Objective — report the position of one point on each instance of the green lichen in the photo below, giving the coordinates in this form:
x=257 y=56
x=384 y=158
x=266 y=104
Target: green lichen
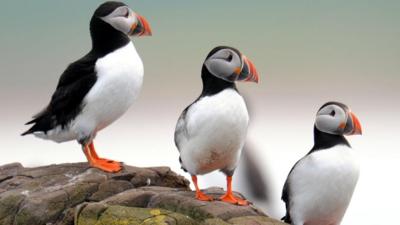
x=120 y=215
x=215 y=221
x=262 y=220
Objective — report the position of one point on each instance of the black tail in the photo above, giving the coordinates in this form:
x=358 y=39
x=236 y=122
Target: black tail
x=32 y=129
x=41 y=122
x=27 y=132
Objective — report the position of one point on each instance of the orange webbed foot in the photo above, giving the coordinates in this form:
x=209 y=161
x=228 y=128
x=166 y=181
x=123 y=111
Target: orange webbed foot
x=110 y=167
x=106 y=161
x=203 y=197
x=199 y=194
x=230 y=198
x=104 y=164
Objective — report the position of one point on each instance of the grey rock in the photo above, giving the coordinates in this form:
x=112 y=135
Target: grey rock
x=75 y=194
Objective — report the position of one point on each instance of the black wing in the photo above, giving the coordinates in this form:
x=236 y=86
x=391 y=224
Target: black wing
x=66 y=102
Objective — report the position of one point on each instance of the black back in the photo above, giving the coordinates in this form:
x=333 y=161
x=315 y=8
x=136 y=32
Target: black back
x=80 y=76
x=322 y=141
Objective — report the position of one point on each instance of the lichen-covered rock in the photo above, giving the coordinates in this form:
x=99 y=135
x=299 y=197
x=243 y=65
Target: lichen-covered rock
x=121 y=215
x=74 y=194
x=49 y=194
x=253 y=220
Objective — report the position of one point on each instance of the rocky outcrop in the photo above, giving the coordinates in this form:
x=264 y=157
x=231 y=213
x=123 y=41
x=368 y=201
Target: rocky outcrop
x=74 y=194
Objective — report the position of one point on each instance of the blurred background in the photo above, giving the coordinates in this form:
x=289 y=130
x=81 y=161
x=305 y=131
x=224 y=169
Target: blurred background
x=307 y=53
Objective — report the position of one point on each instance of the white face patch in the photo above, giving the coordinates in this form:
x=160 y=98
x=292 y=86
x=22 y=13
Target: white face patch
x=122 y=19
x=223 y=63
x=330 y=118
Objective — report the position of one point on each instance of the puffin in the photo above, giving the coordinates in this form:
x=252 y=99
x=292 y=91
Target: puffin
x=210 y=132
x=98 y=88
x=319 y=187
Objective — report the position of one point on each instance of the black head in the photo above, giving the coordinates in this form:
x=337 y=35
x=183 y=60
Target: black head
x=229 y=64
x=106 y=8
x=336 y=118
x=333 y=120
x=222 y=67
x=113 y=22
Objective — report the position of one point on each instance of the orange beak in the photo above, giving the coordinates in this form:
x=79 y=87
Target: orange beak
x=141 y=28
x=249 y=71
x=356 y=123
x=146 y=26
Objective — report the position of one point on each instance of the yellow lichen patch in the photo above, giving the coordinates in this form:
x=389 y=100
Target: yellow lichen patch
x=157 y=220
x=155 y=212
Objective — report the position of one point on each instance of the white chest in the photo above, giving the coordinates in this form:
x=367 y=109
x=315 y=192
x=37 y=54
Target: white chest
x=217 y=128
x=218 y=114
x=119 y=81
x=322 y=184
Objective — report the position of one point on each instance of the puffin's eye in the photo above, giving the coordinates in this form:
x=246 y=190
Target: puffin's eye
x=126 y=14
x=332 y=113
x=230 y=57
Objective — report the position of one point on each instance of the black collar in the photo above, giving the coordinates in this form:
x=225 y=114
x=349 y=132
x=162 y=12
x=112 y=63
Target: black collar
x=324 y=140
x=212 y=84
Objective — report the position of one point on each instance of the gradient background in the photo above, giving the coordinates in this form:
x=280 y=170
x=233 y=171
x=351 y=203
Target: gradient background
x=307 y=53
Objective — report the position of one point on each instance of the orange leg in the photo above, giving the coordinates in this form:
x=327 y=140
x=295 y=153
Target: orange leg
x=95 y=156
x=230 y=197
x=200 y=195
x=96 y=162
